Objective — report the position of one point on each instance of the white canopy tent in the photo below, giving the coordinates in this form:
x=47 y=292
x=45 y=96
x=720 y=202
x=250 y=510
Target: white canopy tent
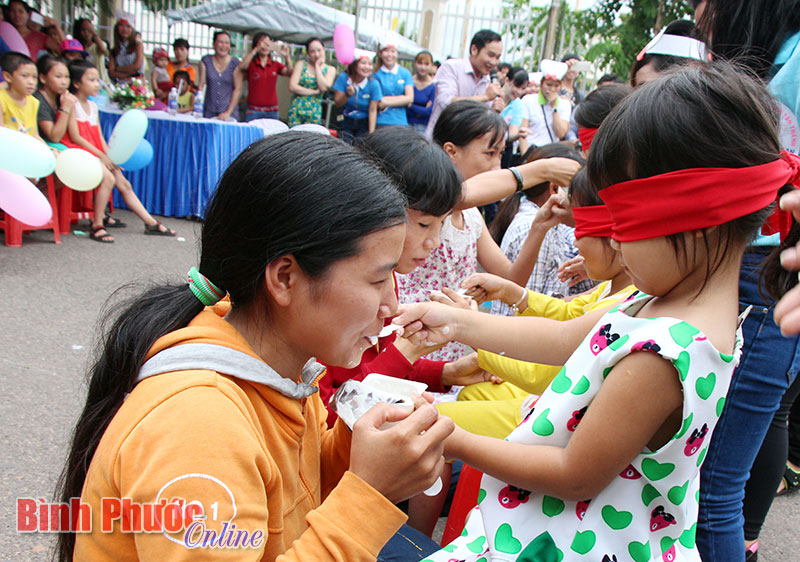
x=293 y=21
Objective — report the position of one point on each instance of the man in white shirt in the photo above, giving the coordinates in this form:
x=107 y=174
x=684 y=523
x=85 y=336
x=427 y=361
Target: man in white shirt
x=548 y=113
x=459 y=79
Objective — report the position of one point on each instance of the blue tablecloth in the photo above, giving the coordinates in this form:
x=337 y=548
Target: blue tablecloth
x=190 y=156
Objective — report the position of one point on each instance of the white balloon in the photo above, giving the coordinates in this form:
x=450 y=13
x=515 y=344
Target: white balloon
x=22 y=154
x=126 y=136
x=79 y=170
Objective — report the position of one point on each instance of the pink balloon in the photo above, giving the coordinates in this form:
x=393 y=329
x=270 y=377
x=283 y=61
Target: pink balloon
x=23 y=200
x=12 y=38
x=344 y=43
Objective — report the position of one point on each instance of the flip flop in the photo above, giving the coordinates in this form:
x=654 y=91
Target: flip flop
x=112 y=222
x=155 y=230
x=103 y=238
x=791 y=481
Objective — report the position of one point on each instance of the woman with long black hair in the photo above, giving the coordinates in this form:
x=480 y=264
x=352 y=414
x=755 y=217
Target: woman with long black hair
x=210 y=403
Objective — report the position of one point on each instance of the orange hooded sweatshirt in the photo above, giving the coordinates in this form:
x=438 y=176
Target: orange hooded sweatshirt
x=256 y=455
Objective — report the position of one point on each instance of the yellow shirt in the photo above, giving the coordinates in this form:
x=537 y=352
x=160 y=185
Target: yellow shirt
x=21 y=118
x=533 y=377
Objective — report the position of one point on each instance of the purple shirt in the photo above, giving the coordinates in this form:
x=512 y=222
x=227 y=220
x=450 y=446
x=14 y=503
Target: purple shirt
x=455 y=78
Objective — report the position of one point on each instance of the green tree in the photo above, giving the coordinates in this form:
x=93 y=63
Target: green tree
x=624 y=27
x=612 y=32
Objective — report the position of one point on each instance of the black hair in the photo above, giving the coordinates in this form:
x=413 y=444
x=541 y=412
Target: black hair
x=422 y=170
x=509 y=208
x=598 y=103
x=750 y=32
x=504 y=65
x=702 y=116
x=180 y=42
x=132 y=42
x=683 y=28
x=269 y=203
x=77 y=68
x=218 y=33
x=581 y=191
x=258 y=35
x=48 y=61
x=482 y=37
x=583 y=194
x=76 y=29
x=609 y=78
x=183 y=74
x=24 y=5
x=351 y=68
x=12 y=60
x=308 y=43
x=463 y=121
x=569 y=56
x=519 y=78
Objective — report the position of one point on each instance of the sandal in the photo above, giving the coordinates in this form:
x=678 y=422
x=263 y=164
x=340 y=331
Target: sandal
x=112 y=222
x=790 y=481
x=104 y=238
x=751 y=553
x=156 y=230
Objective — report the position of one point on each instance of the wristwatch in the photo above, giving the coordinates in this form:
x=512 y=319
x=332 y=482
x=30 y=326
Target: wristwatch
x=555 y=110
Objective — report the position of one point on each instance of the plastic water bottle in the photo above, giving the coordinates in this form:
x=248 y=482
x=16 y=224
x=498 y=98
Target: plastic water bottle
x=172 y=102
x=197 y=112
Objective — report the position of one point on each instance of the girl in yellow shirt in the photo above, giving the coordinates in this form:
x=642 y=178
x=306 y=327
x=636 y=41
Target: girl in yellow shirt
x=494 y=410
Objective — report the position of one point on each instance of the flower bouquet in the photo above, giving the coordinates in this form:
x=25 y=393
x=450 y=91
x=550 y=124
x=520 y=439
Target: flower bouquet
x=136 y=94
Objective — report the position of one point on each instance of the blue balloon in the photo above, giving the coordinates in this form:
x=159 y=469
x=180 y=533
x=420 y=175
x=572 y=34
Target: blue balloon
x=141 y=157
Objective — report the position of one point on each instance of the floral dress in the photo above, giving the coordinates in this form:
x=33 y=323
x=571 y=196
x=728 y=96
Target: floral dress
x=307 y=109
x=454 y=260
x=646 y=514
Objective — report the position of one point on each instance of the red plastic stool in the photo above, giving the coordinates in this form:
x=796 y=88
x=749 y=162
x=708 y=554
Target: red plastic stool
x=464 y=499
x=13 y=228
x=74 y=205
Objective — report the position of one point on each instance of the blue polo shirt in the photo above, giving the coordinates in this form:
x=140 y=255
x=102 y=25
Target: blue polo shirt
x=514 y=113
x=393 y=84
x=357 y=106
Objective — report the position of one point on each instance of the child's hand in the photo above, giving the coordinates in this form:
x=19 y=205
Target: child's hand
x=454 y=444
x=350 y=90
x=107 y=162
x=405 y=459
x=573 y=271
x=413 y=350
x=427 y=322
x=560 y=170
x=466 y=371
x=68 y=101
x=787 y=311
x=451 y=298
x=551 y=213
x=487 y=287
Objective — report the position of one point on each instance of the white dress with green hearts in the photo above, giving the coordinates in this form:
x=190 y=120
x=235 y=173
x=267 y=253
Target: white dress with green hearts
x=649 y=511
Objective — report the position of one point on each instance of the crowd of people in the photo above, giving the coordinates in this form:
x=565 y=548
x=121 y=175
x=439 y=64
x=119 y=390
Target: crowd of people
x=628 y=394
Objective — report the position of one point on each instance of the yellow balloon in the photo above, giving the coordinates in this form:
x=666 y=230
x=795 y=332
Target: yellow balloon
x=79 y=170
